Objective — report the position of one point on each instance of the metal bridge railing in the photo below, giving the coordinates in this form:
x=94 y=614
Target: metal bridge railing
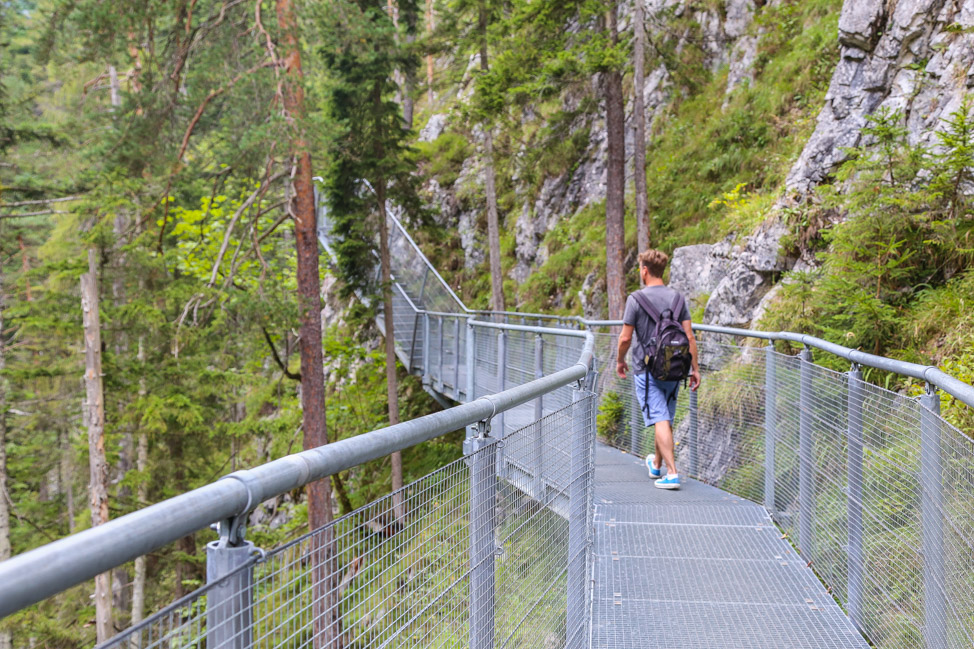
x=477 y=560
x=489 y=551
x=873 y=487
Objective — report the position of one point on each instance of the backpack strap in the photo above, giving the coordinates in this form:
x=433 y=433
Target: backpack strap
x=677 y=307
x=647 y=306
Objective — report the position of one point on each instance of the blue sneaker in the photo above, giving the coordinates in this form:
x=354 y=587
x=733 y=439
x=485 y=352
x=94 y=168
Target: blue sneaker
x=654 y=474
x=668 y=482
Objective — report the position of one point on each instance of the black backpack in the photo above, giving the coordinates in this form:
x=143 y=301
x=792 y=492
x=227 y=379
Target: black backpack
x=666 y=354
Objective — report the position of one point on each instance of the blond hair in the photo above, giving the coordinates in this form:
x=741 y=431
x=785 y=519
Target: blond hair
x=654 y=261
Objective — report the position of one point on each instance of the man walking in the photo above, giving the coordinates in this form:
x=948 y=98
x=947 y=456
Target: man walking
x=657 y=398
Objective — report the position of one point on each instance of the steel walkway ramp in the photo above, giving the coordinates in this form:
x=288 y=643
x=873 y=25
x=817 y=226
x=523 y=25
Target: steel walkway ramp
x=699 y=568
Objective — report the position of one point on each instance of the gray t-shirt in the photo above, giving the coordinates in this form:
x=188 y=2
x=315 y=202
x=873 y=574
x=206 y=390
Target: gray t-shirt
x=660 y=297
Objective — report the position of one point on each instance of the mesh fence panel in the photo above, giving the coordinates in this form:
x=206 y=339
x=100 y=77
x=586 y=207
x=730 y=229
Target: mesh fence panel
x=378 y=578
x=857 y=485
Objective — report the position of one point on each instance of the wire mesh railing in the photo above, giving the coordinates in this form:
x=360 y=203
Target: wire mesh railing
x=489 y=550
x=873 y=487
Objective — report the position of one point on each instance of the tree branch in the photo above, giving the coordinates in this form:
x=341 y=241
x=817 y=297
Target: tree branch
x=26 y=214
x=277 y=358
x=42 y=201
x=233 y=222
x=189 y=133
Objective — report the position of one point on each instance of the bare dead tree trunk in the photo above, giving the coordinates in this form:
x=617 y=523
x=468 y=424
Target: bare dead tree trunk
x=392 y=379
x=120 y=575
x=327 y=620
x=385 y=263
x=493 y=222
x=409 y=78
x=67 y=476
x=615 y=181
x=114 y=87
x=430 y=26
x=25 y=267
x=6 y=637
x=95 y=418
x=142 y=494
x=639 y=124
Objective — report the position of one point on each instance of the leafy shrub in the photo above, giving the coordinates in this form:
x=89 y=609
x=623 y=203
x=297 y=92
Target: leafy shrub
x=610 y=423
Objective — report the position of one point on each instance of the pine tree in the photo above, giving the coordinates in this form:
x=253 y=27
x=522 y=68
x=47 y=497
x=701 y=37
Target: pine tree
x=639 y=124
x=369 y=169
x=615 y=205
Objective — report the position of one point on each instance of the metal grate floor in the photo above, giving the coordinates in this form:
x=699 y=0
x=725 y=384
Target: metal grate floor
x=699 y=568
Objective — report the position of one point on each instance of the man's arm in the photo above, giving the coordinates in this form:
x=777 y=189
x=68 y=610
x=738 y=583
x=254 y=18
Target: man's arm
x=625 y=340
x=695 y=374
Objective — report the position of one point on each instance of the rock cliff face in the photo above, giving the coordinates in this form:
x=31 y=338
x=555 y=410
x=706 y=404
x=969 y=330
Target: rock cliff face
x=914 y=56
x=724 y=43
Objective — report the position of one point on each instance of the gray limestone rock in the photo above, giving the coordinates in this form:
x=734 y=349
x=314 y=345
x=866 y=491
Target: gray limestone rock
x=593 y=296
x=895 y=55
x=737 y=17
x=696 y=270
x=434 y=128
x=733 y=302
x=859 y=23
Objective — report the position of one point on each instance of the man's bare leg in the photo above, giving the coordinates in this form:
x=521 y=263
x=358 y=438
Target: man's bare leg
x=664 y=444
x=658 y=458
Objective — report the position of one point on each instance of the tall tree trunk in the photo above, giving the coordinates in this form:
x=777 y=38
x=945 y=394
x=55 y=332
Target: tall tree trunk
x=430 y=26
x=25 y=267
x=385 y=263
x=6 y=637
x=615 y=181
x=409 y=77
x=327 y=621
x=141 y=463
x=493 y=225
x=639 y=125
x=67 y=475
x=95 y=418
x=120 y=575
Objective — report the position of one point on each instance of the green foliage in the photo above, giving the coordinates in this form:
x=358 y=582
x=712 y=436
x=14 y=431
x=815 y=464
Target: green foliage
x=443 y=157
x=368 y=161
x=610 y=423
x=902 y=237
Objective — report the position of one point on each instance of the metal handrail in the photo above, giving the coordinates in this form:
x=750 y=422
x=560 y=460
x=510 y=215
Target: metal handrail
x=953 y=386
x=35 y=575
x=932 y=375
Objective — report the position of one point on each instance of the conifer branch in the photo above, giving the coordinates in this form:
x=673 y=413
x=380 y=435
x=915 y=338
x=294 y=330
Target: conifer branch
x=277 y=359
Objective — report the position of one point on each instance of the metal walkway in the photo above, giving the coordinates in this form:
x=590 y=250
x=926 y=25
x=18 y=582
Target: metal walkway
x=540 y=537
x=699 y=568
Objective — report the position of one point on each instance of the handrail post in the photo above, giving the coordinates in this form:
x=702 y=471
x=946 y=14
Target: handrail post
x=579 y=528
x=230 y=602
x=502 y=468
x=770 y=425
x=539 y=485
x=426 y=348
x=483 y=495
x=806 y=481
x=692 y=434
x=501 y=375
x=931 y=521
x=470 y=362
x=439 y=355
x=456 y=358
x=854 y=583
x=412 y=345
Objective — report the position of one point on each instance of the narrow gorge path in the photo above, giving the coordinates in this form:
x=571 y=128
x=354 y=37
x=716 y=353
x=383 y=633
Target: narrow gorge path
x=699 y=568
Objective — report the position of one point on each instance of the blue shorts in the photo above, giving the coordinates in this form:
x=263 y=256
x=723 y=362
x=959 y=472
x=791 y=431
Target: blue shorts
x=661 y=398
